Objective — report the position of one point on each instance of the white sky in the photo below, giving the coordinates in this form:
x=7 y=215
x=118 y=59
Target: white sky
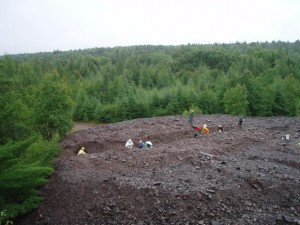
x=28 y=26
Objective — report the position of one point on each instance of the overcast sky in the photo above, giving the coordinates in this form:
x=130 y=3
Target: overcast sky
x=28 y=26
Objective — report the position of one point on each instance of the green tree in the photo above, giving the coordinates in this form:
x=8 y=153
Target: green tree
x=24 y=168
x=85 y=106
x=145 y=78
x=235 y=100
x=291 y=89
x=132 y=108
x=12 y=112
x=52 y=113
x=260 y=98
x=110 y=113
x=163 y=78
x=221 y=85
x=208 y=101
x=280 y=101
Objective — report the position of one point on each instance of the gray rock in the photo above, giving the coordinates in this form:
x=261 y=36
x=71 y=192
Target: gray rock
x=214 y=222
x=288 y=219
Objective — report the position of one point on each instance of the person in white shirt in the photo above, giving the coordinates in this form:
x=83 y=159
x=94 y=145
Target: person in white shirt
x=129 y=144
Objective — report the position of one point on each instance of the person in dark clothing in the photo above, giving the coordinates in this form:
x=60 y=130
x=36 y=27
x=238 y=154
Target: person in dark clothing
x=141 y=144
x=241 y=121
x=191 y=117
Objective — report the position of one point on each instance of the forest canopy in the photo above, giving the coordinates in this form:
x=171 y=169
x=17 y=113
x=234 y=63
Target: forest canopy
x=121 y=83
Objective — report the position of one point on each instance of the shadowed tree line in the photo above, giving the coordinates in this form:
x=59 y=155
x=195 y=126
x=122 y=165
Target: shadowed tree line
x=42 y=93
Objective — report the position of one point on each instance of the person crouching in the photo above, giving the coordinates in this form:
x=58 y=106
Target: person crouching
x=129 y=144
x=141 y=144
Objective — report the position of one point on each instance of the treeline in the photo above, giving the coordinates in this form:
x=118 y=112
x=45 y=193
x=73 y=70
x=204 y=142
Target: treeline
x=114 y=84
x=42 y=93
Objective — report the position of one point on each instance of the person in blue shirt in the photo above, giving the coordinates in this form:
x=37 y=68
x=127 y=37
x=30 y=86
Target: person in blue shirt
x=141 y=144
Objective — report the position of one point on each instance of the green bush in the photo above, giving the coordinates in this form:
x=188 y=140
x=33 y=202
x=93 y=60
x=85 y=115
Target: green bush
x=3 y=218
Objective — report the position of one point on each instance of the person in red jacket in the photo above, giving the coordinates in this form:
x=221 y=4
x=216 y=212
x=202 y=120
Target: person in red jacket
x=197 y=131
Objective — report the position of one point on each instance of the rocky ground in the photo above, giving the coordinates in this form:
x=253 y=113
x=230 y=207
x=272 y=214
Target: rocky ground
x=246 y=176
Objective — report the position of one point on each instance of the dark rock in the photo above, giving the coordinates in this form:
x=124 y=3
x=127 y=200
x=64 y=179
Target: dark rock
x=157 y=183
x=219 y=170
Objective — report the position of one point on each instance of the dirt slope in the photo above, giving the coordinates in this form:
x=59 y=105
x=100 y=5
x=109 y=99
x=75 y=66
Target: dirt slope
x=248 y=176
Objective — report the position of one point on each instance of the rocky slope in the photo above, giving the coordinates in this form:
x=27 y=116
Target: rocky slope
x=246 y=176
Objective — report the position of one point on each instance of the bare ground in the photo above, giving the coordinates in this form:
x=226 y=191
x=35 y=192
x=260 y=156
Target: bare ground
x=248 y=176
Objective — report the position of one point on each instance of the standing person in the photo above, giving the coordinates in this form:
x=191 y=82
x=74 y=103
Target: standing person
x=241 y=121
x=220 y=130
x=191 y=117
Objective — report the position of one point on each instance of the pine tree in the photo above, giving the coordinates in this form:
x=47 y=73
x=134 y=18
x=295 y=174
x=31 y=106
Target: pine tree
x=24 y=167
x=12 y=108
x=235 y=100
x=52 y=113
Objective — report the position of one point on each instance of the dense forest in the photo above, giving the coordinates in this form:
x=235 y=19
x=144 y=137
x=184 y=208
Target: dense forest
x=43 y=93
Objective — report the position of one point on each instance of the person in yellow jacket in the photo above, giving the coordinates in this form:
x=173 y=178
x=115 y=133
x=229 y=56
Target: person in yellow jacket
x=81 y=151
x=205 y=129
